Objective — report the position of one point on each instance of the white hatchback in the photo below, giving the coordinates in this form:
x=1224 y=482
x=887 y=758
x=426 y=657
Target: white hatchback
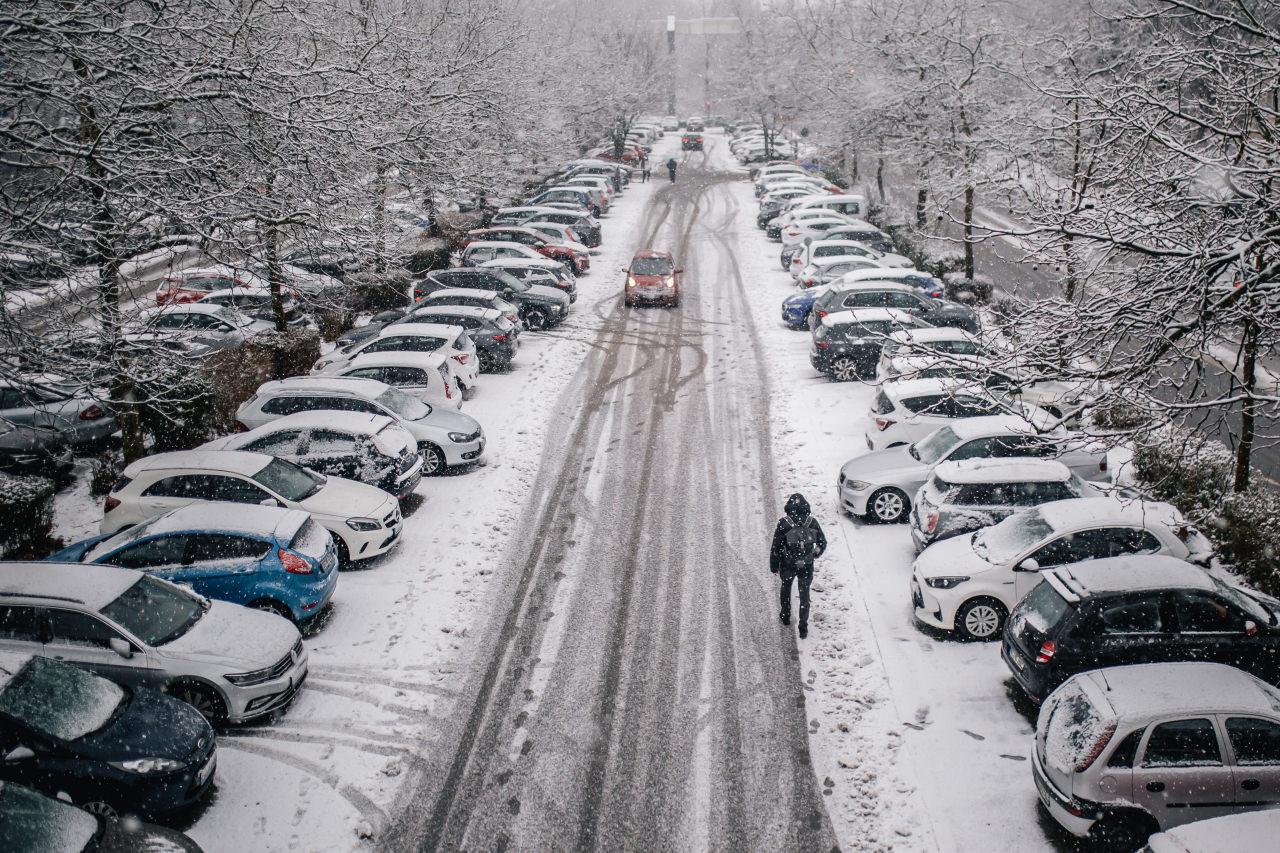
x=452 y=341
x=906 y=411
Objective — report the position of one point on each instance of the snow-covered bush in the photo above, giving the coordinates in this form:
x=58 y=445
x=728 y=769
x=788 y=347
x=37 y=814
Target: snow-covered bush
x=177 y=406
x=1247 y=529
x=104 y=471
x=1189 y=470
x=26 y=505
x=1119 y=414
x=958 y=287
x=235 y=374
x=374 y=291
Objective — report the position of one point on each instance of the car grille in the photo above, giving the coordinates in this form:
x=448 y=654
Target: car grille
x=406 y=461
x=391 y=519
x=297 y=649
x=285 y=663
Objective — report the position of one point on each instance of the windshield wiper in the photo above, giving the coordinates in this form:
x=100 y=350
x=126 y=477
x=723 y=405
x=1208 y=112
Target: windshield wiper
x=914 y=455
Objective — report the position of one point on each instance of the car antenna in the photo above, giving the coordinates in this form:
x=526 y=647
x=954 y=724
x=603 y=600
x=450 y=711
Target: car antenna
x=1103 y=673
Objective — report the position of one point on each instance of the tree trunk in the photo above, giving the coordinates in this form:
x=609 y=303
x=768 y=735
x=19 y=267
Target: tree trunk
x=968 y=231
x=1248 y=412
x=1069 y=249
x=380 y=219
x=880 y=178
x=922 y=201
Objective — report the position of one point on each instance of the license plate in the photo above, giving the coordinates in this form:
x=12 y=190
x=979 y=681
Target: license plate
x=1017 y=660
x=207 y=770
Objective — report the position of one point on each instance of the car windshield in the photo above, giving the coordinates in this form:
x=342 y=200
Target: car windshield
x=934 y=446
x=61 y=700
x=508 y=279
x=56 y=825
x=156 y=611
x=1251 y=606
x=1009 y=538
x=651 y=266
x=291 y=482
x=409 y=408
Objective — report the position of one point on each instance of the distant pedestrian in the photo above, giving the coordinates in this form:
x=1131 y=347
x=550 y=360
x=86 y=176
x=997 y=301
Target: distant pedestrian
x=798 y=540
x=644 y=168
x=671 y=168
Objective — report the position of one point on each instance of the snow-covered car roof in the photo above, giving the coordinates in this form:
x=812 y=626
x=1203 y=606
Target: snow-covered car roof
x=836 y=241
x=886 y=273
x=449 y=292
x=505 y=244
x=424 y=360
x=221 y=271
x=1183 y=687
x=1254 y=830
x=541 y=263
x=565 y=187
x=929 y=334
x=526 y=208
x=235 y=461
x=369 y=388
x=866 y=315
x=92 y=586
x=214 y=516
x=364 y=423
x=933 y=385
x=1028 y=470
x=198 y=307
x=986 y=425
x=1082 y=512
x=401 y=329
x=457 y=311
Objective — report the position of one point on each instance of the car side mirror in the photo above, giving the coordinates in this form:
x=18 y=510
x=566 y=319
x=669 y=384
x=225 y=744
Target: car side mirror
x=20 y=753
x=121 y=647
x=270 y=502
x=1028 y=565
x=678 y=270
x=1250 y=628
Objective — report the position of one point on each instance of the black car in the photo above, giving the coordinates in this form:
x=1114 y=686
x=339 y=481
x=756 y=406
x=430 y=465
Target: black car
x=112 y=749
x=539 y=306
x=534 y=273
x=497 y=339
x=846 y=345
x=903 y=297
x=586 y=227
x=31 y=822
x=691 y=142
x=768 y=211
x=1136 y=609
x=257 y=305
x=335 y=261
x=376 y=324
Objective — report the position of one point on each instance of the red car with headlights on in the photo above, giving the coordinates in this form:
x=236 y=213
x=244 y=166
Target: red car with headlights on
x=577 y=261
x=652 y=278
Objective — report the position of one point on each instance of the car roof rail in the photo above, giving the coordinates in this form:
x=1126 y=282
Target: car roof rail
x=42 y=596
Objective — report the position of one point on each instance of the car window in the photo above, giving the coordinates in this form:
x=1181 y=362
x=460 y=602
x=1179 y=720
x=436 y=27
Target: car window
x=1127 y=750
x=864 y=299
x=1012 y=446
x=290 y=405
x=73 y=628
x=902 y=300
x=1183 y=743
x=160 y=551
x=19 y=623
x=277 y=444
x=406 y=343
x=979 y=448
x=1132 y=617
x=327 y=441
x=182 y=486
x=236 y=490
x=1199 y=613
x=971 y=407
x=932 y=404
x=1254 y=741
x=211 y=547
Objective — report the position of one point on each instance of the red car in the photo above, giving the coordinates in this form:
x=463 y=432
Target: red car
x=191 y=285
x=652 y=277
x=577 y=261
x=691 y=142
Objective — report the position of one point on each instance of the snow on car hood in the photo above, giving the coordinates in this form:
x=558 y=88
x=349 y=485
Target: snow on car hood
x=951 y=557
x=236 y=637
x=890 y=464
x=340 y=498
x=451 y=420
x=550 y=294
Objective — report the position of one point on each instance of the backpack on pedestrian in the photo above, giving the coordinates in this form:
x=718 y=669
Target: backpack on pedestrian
x=801 y=544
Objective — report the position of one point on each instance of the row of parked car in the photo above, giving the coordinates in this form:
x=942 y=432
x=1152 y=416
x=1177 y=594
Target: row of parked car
x=1156 y=677
x=121 y=654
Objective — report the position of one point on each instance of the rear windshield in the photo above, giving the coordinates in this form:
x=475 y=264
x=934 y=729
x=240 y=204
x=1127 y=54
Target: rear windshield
x=1043 y=608
x=311 y=539
x=651 y=266
x=883 y=405
x=1074 y=729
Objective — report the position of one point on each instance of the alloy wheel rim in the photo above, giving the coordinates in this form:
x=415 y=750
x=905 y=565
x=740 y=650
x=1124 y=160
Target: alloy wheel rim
x=982 y=620
x=431 y=462
x=888 y=506
x=99 y=807
x=844 y=370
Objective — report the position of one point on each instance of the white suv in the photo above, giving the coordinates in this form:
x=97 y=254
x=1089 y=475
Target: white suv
x=364 y=520
x=905 y=411
x=452 y=341
x=445 y=437
x=1126 y=751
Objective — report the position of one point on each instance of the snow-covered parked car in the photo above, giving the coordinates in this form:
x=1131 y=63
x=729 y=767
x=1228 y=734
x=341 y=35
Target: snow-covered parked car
x=425 y=375
x=364 y=520
x=231 y=663
x=968 y=584
x=445 y=437
x=411 y=335
x=907 y=410
x=372 y=449
x=1123 y=752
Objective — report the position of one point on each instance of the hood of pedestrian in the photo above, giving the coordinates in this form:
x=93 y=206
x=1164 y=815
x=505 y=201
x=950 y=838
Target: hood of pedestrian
x=797 y=508
x=891 y=465
x=952 y=557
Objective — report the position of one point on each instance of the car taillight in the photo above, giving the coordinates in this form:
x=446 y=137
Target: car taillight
x=1104 y=737
x=110 y=503
x=512 y=318
x=793 y=233
x=931 y=522
x=92 y=413
x=1102 y=466
x=500 y=338
x=238 y=426
x=936 y=294
x=883 y=424
x=796 y=260
x=822 y=314
x=293 y=564
x=821 y=344
x=1047 y=650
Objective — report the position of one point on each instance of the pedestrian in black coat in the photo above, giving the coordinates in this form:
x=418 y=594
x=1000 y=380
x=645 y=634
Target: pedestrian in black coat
x=798 y=540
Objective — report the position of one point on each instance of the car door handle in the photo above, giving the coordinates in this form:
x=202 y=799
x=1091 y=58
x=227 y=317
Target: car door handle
x=1250 y=784
x=1155 y=787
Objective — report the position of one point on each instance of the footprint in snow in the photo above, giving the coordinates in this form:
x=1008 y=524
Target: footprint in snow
x=973 y=735
x=1013 y=757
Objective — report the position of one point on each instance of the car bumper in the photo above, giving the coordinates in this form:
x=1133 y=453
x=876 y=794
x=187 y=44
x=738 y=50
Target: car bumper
x=174 y=792
x=928 y=608
x=795 y=318
x=1076 y=816
x=463 y=453
x=654 y=295
x=1028 y=676
x=90 y=432
x=407 y=482
x=248 y=703
x=363 y=544
x=853 y=501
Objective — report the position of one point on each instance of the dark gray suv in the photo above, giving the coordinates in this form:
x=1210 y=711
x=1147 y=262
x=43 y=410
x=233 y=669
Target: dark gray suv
x=903 y=297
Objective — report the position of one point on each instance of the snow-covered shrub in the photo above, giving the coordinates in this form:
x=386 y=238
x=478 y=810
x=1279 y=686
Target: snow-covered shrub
x=958 y=288
x=1119 y=414
x=1247 y=529
x=104 y=471
x=26 y=505
x=235 y=374
x=177 y=406
x=431 y=255
x=943 y=261
x=374 y=291
x=1189 y=470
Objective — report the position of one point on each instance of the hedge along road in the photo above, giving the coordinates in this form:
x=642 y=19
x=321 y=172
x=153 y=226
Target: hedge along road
x=638 y=691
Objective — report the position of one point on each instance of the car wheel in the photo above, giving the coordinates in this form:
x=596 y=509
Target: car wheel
x=844 y=370
x=627 y=303
x=432 y=460
x=486 y=363
x=268 y=606
x=535 y=319
x=344 y=553
x=101 y=808
x=888 y=506
x=203 y=698
x=1123 y=831
x=980 y=619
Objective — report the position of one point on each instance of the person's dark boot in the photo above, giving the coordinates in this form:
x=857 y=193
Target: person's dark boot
x=785 y=617
x=804 y=631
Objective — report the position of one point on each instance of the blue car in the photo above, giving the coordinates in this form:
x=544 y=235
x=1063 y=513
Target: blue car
x=274 y=559
x=795 y=308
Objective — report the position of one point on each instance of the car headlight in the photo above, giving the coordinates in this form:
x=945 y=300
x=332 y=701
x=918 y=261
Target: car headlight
x=856 y=485
x=631 y=282
x=363 y=524
x=147 y=765
x=247 y=679
x=671 y=281
x=946 y=583
x=459 y=436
